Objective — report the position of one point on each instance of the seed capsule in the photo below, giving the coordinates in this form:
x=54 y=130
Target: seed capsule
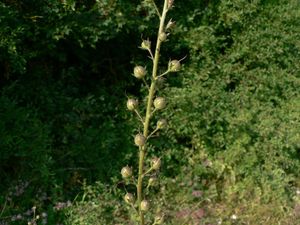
x=126 y=172
x=152 y=181
x=129 y=198
x=155 y=163
x=161 y=124
x=174 y=66
x=159 y=103
x=139 y=140
x=145 y=205
x=160 y=82
x=139 y=72
x=159 y=219
x=146 y=45
x=170 y=24
x=132 y=104
x=163 y=36
x=170 y=3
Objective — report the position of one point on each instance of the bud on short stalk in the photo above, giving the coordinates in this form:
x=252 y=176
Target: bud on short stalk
x=145 y=205
x=170 y=25
x=139 y=72
x=155 y=163
x=139 y=140
x=174 y=66
x=161 y=124
x=159 y=103
x=126 y=172
x=170 y=3
x=132 y=104
x=162 y=36
x=129 y=198
x=159 y=219
x=160 y=82
x=146 y=45
x=152 y=181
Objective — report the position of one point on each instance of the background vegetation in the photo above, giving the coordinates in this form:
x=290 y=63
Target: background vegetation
x=231 y=152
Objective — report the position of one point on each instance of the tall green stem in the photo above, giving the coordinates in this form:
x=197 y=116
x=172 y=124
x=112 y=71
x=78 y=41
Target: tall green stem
x=151 y=93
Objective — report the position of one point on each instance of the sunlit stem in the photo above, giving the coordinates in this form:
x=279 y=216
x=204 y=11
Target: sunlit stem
x=152 y=113
x=151 y=54
x=146 y=83
x=163 y=74
x=134 y=209
x=153 y=132
x=156 y=9
x=134 y=181
x=148 y=171
x=139 y=116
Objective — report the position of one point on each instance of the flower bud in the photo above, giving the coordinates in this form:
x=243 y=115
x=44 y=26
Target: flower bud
x=146 y=45
x=132 y=104
x=159 y=219
x=139 y=140
x=139 y=72
x=159 y=103
x=160 y=82
x=129 y=198
x=155 y=163
x=145 y=205
x=152 y=181
x=126 y=172
x=170 y=3
x=161 y=123
x=170 y=24
x=162 y=36
x=174 y=66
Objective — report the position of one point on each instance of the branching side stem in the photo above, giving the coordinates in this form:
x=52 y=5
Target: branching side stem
x=157 y=11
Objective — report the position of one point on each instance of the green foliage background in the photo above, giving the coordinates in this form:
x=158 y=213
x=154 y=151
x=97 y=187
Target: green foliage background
x=234 y=109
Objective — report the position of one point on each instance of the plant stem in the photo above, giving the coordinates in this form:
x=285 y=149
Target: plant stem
x=155 y=6
x=151 y=93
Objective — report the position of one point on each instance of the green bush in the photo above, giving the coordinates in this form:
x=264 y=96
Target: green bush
x=240 y=100
x=24 y=145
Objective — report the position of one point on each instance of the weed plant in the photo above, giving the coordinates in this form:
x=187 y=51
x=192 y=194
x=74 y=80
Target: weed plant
x=154 y=103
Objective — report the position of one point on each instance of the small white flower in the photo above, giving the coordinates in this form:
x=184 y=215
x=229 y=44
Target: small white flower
x=234 y=217
x=298 y=191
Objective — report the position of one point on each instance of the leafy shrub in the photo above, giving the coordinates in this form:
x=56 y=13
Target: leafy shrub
x=96 y=205
x=24 y=144
x=239 y=99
